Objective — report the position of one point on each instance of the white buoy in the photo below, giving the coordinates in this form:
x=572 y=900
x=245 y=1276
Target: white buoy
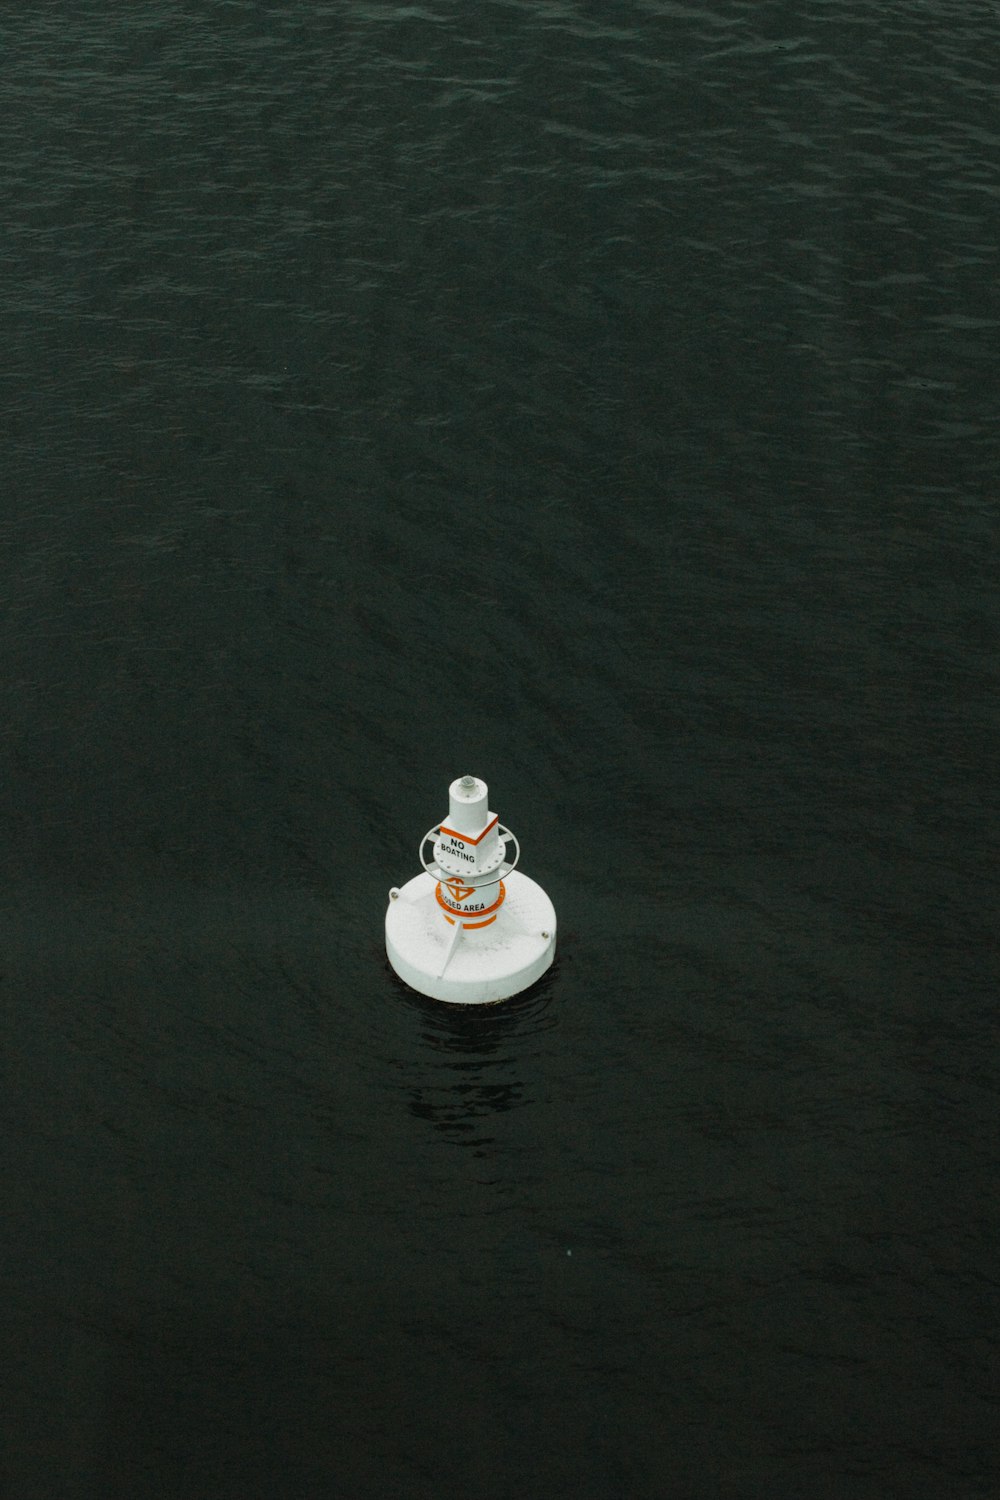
x=471 y=929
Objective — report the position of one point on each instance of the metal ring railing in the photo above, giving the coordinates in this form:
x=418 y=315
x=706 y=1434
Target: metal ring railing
x=488 y=877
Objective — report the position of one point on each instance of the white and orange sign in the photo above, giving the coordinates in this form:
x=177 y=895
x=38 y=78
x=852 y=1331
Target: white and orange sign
x=454 y=900
x=467 y=850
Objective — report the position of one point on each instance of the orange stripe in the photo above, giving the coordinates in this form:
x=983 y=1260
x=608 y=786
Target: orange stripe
x=465 y=837
x=458 y=912
x=469 y=925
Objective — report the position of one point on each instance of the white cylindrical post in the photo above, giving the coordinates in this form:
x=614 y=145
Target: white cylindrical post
x=469 y=843
x=468 y=798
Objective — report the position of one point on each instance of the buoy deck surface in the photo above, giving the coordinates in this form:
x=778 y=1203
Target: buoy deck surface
x=477 y=967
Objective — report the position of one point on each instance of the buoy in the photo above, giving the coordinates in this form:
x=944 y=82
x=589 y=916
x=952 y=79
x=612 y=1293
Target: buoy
x=471 y=929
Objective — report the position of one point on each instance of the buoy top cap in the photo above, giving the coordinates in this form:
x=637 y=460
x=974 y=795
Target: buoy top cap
x=468 y=789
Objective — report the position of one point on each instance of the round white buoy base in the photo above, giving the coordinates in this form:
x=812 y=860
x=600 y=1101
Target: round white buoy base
x=464 y=966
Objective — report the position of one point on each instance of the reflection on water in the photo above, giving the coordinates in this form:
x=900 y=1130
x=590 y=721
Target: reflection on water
x=475 y=1058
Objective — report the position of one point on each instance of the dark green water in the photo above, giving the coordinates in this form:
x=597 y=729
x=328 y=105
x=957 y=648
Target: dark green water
x=601 y=399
